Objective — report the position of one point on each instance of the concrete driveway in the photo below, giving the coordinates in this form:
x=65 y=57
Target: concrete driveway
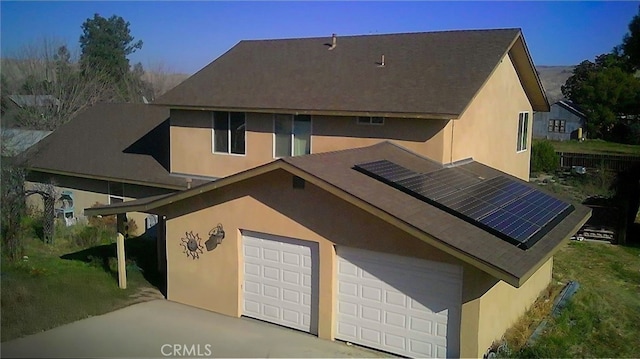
x=165 y=329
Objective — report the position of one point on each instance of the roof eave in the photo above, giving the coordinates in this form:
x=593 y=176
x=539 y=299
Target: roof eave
x=148 y=207
x=528 y=74
x=317 y=112
x=107 y=178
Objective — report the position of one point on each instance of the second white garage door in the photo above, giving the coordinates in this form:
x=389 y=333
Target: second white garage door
x=280 y=280
x=398 y=304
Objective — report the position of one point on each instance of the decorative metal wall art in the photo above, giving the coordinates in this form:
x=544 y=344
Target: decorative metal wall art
x=192 y=244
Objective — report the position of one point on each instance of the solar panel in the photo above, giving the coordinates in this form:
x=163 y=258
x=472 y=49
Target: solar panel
x=515 y=212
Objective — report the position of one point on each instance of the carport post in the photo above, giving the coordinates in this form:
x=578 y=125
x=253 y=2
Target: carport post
x=122 y=268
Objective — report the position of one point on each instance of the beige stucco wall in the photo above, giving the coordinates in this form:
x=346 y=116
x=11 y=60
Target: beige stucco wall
x=191 y=144
x=422 y=136
x=191 y=136
x=269 y=204
x=487 y=130
x=492 y=306
x=81 y=200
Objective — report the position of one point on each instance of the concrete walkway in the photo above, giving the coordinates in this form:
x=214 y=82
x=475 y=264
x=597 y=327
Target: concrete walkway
x=165 y=329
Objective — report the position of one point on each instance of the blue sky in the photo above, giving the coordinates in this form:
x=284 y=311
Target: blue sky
x=186 y=36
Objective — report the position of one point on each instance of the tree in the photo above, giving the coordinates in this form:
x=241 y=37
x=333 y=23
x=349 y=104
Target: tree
x=608 y=89
x=47 y=70
x=13 y=210
x=105 y=44
x=606 y=92
x=631 y=42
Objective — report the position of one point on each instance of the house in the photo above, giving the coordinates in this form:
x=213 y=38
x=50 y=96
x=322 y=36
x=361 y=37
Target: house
x=109 y=153
x=371 y=189
x=564 y=121
x=17 y=106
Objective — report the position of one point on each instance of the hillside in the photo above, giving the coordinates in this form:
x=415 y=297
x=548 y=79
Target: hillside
x=553 y=77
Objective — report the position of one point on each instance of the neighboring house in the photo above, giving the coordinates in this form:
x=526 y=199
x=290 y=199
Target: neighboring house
x=108 y=154
x=34 y=104
x=16 y=140
x=371 y=189
x=564 y=121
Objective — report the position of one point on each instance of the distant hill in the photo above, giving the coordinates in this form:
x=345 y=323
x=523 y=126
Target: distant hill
x=553 y=77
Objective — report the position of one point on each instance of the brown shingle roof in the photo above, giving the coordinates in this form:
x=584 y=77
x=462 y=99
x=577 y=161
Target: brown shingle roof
x=334 y=171
x=110 y=141
x=436 y=73
x=336 y=168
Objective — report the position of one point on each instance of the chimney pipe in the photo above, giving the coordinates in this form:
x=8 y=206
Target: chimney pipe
x=381 y=63
x=334 y=39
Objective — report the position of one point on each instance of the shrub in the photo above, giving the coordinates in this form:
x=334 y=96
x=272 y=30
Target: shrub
x=109 y=223
x=544 y=157
x=88 y=236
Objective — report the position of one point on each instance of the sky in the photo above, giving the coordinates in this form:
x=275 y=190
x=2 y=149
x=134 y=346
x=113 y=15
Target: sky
x=181 y=36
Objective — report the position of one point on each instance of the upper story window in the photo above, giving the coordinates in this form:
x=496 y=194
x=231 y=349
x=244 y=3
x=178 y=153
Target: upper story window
x=368 y=120
x=229 y=132
x=557 y=126
x=292 y=135
x=523 y=126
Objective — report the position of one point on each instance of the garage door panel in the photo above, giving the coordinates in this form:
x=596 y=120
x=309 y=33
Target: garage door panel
x=395 y=319
x=278 y=280
x=397 y=304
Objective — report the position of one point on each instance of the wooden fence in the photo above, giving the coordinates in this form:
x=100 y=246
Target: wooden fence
x=599 y=161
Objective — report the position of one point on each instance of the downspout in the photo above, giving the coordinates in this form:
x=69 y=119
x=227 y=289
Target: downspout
x=453 y=124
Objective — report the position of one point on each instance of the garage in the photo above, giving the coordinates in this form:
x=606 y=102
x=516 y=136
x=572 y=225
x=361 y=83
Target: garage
x=280 y=280
x=401 y=305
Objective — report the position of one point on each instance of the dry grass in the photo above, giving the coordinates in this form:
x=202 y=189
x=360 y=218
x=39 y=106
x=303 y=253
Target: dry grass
x=601 y=320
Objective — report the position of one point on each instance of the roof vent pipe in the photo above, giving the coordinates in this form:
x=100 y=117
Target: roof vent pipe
x=334 y=39
x=381 y=63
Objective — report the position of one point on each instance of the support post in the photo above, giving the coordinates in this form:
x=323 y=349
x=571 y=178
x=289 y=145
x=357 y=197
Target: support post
x=122 y=263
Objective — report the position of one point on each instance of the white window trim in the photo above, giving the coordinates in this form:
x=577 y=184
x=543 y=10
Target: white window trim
x=115 y=196
x=525 y=131
x=213 y=135
x=273 y=134
x=370 y=123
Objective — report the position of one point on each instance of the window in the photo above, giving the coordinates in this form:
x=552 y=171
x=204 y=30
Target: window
x=292 y=135
x=557 y=126
x=523 y=126
x=367 y=120
x=229 y=132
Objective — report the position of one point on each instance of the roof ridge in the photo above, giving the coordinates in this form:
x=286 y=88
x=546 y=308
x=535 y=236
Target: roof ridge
x=384 y=34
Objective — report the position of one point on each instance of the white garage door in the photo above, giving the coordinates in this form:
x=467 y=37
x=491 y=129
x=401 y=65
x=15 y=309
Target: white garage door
x=280 y=283
x=398 y=304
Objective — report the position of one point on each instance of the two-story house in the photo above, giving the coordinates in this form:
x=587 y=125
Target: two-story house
x=370 y=189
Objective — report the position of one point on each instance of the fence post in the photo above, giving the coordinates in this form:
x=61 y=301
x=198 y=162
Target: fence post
x=122 y=263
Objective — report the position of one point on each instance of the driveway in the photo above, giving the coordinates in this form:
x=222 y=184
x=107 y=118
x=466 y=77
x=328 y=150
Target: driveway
x=161 y=328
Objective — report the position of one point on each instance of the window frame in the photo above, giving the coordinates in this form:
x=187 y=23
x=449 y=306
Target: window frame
x=291 y=134
x=229 y=131
x=522 y=137
x=369 y=121
x=557 y=126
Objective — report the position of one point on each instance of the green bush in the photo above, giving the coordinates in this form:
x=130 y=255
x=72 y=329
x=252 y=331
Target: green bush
x=544 y=157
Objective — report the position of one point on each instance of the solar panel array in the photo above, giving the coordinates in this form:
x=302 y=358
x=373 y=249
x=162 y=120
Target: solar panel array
x=511 y=210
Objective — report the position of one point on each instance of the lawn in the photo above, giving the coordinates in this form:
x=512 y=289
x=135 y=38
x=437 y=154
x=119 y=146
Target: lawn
x=64 y=282
x=601 y=320
x=596 y=146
